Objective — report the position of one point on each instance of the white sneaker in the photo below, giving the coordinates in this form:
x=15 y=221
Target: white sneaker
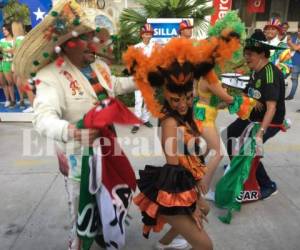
x=210 y=196
x=7 y=104
x=177 y=243
x=28 y=110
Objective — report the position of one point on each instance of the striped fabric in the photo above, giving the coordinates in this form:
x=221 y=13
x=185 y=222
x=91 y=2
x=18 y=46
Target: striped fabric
x=93 y=79
x=269 y=74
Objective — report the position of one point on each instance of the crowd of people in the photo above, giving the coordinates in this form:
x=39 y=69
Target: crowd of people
x=178 y=84
x=13 y=34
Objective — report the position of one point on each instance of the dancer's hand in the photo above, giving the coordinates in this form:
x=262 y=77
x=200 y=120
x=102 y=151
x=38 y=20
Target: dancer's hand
x=199 y=215
x=203 y=185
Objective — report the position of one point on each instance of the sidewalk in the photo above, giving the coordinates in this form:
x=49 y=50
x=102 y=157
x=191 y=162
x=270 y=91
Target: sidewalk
x=33 y=211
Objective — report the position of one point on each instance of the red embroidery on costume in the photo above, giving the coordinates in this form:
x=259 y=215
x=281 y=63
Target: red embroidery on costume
x=59 y=61
x=105 y=74
x=74 y=86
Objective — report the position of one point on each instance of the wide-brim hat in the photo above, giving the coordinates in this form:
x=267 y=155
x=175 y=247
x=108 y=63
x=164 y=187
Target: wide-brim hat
x=67 y=19
x=254 y=43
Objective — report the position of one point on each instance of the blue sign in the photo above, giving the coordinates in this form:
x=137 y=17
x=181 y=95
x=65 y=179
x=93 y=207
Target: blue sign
x=38 y=9
x=165 y=28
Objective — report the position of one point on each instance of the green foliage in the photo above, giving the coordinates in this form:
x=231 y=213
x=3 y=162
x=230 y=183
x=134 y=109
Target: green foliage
x=131 y=20
x=16 y=12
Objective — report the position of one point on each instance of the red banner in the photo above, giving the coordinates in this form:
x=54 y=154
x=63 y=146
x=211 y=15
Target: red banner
x=221 y=8
x=256 y=6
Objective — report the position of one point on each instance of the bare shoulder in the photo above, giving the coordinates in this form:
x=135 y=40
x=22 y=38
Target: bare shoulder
x=169 y=122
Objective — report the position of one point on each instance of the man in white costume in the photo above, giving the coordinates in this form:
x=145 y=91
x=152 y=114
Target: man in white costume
x=140 y=108
x=68 y=87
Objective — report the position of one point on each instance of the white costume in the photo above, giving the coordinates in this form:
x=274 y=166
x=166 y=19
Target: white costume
x=57 y=105
x=140 y=108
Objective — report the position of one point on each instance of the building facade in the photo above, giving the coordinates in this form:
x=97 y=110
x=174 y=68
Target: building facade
x=287 y=10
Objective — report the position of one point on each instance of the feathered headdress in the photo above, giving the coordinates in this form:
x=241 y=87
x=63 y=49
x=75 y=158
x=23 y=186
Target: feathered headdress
x=177 y=64
x=233 y=22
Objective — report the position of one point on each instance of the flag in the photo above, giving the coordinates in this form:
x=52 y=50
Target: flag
x=38 y=9
x=235 y=187
x=107 y=179
x=256 y=6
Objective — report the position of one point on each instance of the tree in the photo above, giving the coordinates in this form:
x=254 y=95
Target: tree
x=132 y=19
x=15 y=12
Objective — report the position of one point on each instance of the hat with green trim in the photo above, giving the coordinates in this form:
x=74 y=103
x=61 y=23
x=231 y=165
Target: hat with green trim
x=259 y=41
x=41 y=45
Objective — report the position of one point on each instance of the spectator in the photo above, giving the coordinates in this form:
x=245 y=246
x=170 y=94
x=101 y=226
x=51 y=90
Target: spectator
x=283 y=35
x=280 y=58
x=18 y=34
x=22 y=84
x=7 y=44
x=185 y=29
x=294 y=43
x=140 y=108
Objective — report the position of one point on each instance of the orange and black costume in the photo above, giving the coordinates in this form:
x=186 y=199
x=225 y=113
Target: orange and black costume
x=171 y=189
x=172 y=69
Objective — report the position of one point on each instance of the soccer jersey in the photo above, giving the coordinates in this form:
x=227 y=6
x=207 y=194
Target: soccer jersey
x=267 y=85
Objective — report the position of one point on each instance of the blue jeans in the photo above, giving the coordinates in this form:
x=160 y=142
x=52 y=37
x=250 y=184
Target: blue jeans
x=295 y=76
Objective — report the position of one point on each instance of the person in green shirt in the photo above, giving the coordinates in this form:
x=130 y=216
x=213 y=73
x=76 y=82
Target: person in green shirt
x=19 y=32
x=6 y=45
x=18 y=80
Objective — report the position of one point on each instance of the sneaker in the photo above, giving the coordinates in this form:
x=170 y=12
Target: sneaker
x=135 y=129
x=21 y=104
x=12 y=105
x=7 y=104
x=28 y=110
x=148 y=124
x=210 y=196
x=267 y=192
x=289 y=98
x=177 y=243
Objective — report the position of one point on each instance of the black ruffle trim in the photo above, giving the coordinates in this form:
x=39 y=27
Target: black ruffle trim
x=169 y=178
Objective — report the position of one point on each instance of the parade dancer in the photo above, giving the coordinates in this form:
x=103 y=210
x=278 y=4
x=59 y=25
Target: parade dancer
x=65 y=41
x=171 y=193
x=210 y=98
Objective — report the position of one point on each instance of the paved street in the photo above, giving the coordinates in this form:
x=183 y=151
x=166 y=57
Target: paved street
x=33 y=210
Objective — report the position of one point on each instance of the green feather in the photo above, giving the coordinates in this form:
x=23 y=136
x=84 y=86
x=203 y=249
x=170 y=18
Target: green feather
x=230 y=20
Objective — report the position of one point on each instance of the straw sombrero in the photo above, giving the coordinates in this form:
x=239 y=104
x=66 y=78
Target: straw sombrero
x=66 y=20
